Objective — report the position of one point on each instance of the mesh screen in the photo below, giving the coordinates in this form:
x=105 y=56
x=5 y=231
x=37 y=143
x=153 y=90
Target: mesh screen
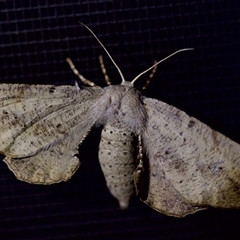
x=37 y=36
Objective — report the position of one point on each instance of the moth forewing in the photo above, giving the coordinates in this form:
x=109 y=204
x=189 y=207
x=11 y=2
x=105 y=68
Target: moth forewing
x=40 y=132
x=198 y=163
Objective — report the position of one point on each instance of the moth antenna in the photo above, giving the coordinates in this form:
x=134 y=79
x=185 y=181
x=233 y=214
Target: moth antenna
x=123 y=80
x=181 y=50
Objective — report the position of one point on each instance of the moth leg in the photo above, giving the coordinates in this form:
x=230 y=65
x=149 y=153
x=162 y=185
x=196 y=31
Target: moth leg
x=107 y=79
x=150 y=76
x=141 y=173
x=81 y=77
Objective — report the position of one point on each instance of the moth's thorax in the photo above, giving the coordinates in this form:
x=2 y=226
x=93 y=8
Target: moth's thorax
x=125 y=108
x=118 y=92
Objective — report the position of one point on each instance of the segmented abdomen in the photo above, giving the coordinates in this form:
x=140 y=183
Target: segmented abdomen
x=118 y=161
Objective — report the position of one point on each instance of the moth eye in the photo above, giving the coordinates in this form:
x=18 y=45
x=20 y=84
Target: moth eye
x=124 y=134
x=111 y=132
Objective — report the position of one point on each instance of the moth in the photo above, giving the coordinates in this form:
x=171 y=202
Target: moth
x=176 y=164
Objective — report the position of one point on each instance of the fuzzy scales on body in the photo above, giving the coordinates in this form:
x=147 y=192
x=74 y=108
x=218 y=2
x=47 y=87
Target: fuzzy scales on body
x=117 y=148
x=116 y=157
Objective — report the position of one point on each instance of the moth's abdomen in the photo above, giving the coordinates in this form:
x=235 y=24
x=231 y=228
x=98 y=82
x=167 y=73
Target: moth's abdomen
x=117 y=160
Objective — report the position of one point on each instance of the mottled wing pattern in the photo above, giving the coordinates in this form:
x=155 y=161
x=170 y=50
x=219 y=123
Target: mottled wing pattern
x=50 y=165
x=190 y=165
x=41 y=128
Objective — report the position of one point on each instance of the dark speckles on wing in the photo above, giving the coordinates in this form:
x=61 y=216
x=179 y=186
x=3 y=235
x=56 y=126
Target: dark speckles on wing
x=191 y=123
x=52 y=89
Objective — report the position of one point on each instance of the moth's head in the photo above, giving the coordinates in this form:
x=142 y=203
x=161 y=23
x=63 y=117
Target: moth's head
x=127 y=83
x=131 y=83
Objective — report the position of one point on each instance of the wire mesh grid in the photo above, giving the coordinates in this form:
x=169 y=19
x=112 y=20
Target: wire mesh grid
x=36 y=38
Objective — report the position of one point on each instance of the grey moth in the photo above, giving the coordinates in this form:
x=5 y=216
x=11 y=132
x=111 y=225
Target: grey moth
x=178 y=166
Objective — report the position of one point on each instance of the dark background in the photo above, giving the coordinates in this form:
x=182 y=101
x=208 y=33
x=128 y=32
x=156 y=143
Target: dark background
x=37 y=36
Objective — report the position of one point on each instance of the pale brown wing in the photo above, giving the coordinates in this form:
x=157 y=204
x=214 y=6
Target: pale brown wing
x=189 y=163
x=41 y=128
x=31 y=120
x=54 y=164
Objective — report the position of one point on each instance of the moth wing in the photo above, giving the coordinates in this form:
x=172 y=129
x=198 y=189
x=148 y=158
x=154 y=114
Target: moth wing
x=154 y=189
x=22 y=105
x=28 y=91
x=52 y=165
x=189 y=163
x=41 y=128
